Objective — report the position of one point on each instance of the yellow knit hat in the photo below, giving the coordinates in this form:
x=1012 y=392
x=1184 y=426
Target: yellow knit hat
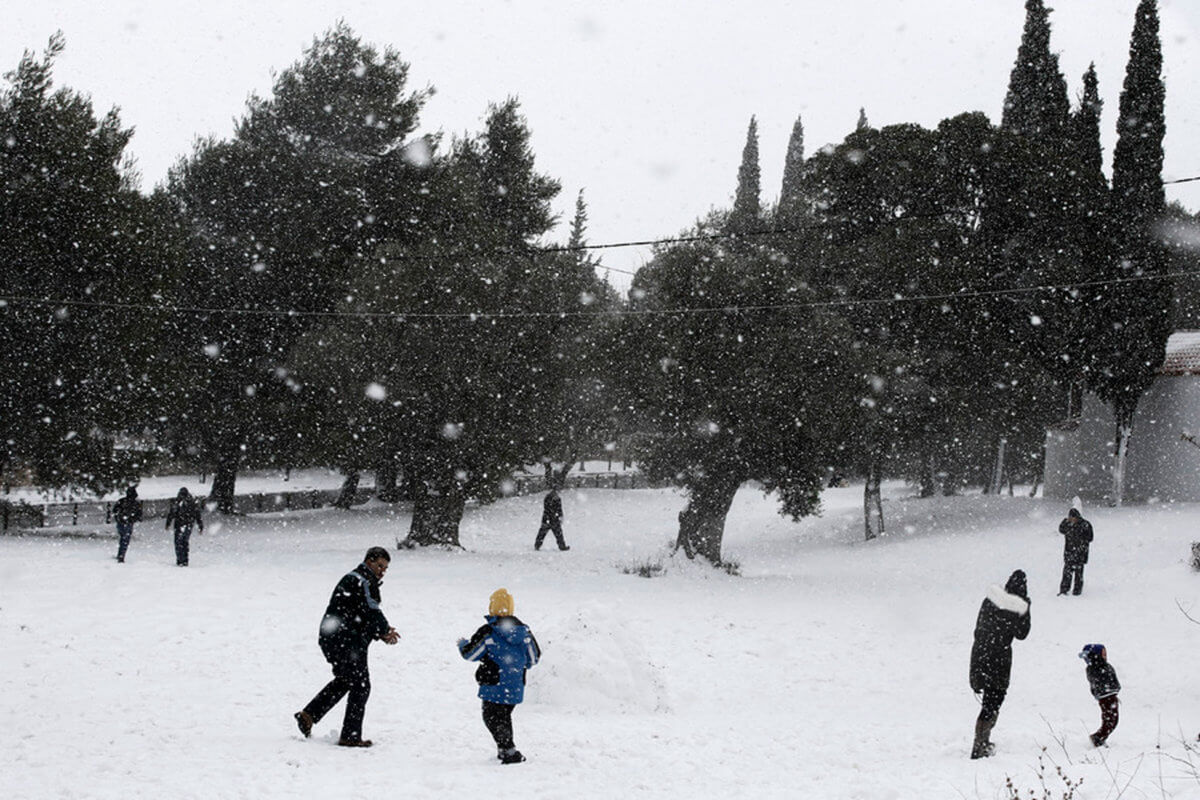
x=500 y=604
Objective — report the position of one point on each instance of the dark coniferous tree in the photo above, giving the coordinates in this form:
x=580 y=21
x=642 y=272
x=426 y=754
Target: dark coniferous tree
x=1138 y=314
x=747 y=205
x=791 y=193
x=279 y=216
x=1036 y=104
x=71 y=247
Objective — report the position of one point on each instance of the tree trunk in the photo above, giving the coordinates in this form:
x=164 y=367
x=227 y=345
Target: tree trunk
x=928 y=487
x=998 y=472
x=872 y=502
x=345 y=498
x=385 y=481
x=435 y=519
x=1124 y=431
x=225 y=478
x=702 y=522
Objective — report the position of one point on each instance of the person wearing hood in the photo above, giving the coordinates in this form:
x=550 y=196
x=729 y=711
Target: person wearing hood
x=184 y=513
x=353 y=619
x=505 y=648
x=1102 y=679
x=126 y=511
x=1003 y=616
x=1077 y=533
x=552 y=517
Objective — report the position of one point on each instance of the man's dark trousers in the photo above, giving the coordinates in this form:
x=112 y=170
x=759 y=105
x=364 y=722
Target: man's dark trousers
x=350 y=678
x=1071 y=572
x=124 y=534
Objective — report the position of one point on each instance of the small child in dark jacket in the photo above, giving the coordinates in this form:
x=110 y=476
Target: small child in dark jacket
x=505 y=649
x=1104 y=684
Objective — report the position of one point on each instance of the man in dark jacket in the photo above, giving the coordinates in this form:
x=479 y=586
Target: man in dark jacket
x=184 y=513
x=1077 y=533
x=353 y=619
x=1003 y=616
x=552 y=514
x=126 y=511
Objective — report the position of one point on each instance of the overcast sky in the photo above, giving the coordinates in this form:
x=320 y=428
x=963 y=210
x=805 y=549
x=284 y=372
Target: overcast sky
x=644 y=104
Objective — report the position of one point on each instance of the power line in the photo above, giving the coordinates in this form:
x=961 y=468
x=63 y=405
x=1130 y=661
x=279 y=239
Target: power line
x=1183 y=180
x=475 y=316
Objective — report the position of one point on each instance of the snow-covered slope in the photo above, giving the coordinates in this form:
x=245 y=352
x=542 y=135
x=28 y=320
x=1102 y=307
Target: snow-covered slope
x=831 y=668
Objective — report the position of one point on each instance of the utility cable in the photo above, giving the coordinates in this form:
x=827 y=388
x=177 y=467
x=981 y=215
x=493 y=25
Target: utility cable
x=629 y=312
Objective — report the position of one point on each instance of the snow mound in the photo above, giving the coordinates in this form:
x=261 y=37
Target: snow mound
x=599 y=664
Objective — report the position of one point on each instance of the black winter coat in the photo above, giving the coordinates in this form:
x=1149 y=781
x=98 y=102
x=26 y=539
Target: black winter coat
x=127 y=510
x=184 y=512
x=1002 y=618
x=1078 y=533
x=1102 y=679
x=552 y=511
x=353 y=617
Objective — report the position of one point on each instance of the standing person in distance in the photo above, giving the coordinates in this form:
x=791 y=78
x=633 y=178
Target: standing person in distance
x=1003 y=616
x=184 y=513
x=552 y=514
x=126 y=511
x=1102 y=680
x=1077 y=536
x=353 y=619
x=505 y=648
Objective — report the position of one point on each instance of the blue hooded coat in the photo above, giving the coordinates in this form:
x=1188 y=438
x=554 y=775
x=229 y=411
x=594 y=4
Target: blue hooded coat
x=505 y=648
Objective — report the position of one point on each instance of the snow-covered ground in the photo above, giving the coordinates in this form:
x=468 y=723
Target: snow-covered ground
x=831 y=668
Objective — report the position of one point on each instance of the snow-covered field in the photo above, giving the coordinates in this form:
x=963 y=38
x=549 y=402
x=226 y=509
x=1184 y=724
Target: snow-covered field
x=831 y=668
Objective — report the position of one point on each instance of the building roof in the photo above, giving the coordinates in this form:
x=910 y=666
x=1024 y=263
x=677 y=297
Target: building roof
x=1183 y=354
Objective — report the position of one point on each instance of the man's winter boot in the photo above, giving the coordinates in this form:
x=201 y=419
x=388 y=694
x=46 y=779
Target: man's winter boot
x=982 y=747
x=304 y=722
x=510 y=756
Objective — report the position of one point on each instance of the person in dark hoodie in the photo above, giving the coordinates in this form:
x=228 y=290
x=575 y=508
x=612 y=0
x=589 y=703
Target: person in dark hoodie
x=1003 y=616
x=126 y=511
x=505 y=648
x=552 y=516
x=1102 y=679
x=353 y=619
x=184 y=513
x=1077 y=533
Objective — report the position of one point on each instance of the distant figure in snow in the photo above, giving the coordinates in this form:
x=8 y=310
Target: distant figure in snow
x=1102 y=679
x=552 y=514
x=505 y=649
x=126 y=511
x=353 y=619
x=1077 y=533
x=184 y=513
x=1003 y=616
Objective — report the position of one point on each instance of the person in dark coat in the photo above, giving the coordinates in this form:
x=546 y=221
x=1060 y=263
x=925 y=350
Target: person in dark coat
x=1003 y=616
x=552 y=514
x=1077 y=533
x=505 y=649
x=353 y=619
x=1102 y=679
x=126 y=511
x=184 y=513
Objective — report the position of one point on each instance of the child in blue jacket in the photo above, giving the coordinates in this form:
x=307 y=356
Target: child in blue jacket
x=1104 y=684
x=505 y=649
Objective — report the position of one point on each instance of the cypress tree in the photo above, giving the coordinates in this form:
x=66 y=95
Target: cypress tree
x=1141 y=126
x=1139 y=315
x=1036 y=104
x=746 y=204
x=791 y=193
x=1085 y=138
